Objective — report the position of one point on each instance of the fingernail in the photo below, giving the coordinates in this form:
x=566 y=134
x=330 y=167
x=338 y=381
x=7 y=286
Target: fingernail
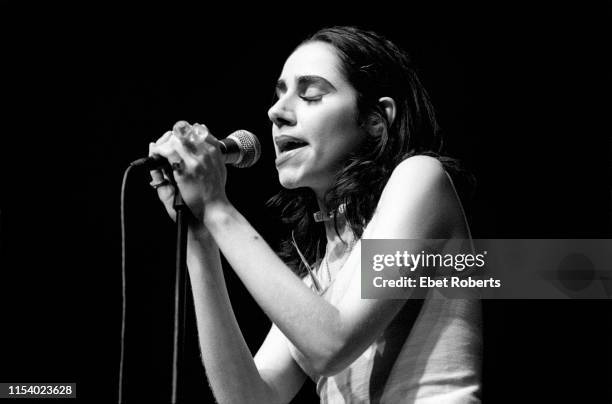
x=181 y=128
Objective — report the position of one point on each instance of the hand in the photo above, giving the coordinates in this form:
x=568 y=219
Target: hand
x=198 y=168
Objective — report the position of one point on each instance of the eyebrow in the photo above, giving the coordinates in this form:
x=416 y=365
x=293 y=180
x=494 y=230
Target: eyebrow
x=304 y=80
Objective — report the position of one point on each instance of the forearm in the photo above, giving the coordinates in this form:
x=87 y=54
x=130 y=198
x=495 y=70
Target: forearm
x=310 y=322
x=229 y=364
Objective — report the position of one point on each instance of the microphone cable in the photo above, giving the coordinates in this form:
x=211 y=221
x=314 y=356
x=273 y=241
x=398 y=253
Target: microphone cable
x=123 y=287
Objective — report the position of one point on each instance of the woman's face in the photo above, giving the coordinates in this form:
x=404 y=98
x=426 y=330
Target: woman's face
x=314 y=121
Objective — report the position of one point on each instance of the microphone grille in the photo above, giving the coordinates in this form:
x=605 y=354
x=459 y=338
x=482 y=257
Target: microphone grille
x=250 y=148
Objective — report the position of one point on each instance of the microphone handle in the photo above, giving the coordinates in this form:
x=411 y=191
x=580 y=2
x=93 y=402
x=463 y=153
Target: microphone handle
x=229 y=149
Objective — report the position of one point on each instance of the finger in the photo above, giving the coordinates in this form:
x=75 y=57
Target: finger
x=204 y=135
x=207 y=143
x=201 y=130
x=192 y=137
x=163 y=186
x=164 y=138
x=161 y=183
x=168 y=149
x=156 y=175
x=187 y=159
x=165 y=151
x=181 y=128
x=210 y=144
x=178 y=156
x=183 y=131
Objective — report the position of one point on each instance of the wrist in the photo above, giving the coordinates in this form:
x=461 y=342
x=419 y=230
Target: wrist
x=217 y=213
x=198 y=232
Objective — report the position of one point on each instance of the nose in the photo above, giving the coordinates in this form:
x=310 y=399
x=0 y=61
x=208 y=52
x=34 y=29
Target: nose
x=281 y=113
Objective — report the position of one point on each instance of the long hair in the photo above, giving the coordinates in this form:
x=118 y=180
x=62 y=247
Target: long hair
x=376 y=68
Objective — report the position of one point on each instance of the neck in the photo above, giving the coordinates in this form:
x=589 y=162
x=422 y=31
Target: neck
x=337 y=241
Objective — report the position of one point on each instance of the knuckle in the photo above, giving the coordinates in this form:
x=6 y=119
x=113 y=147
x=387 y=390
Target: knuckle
x=211 y=149
x=201 y=135
x=201 y=128
x=181 y=128
x=174 y=142
x=191 y=165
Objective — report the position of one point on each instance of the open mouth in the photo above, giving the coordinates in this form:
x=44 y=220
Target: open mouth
x=288 y=143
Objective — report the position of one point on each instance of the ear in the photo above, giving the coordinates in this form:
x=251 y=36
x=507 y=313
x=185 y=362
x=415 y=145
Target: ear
x=388 y=105
x=379 y=124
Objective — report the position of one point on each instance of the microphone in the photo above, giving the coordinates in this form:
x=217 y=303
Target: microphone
x=240 y=149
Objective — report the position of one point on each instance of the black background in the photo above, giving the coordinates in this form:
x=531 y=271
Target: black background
x=523 y=101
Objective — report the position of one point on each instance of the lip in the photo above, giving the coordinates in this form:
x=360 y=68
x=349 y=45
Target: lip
x=282 y=139
x=283 y=157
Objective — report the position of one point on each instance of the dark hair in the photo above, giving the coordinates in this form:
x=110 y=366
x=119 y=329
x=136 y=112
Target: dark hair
x=376 y=68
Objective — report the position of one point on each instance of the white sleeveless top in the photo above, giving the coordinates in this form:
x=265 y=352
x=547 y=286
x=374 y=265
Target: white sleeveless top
x=430 y=353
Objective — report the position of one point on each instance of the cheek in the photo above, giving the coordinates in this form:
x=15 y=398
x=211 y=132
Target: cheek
x=346 y=135
x=336 y=124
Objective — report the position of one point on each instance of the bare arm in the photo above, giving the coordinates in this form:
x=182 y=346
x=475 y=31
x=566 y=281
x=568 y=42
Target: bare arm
x=331 y=336
x=277 y=367
x=234 y=375
x=417 y=203
x=232 y=371
x=229 y=364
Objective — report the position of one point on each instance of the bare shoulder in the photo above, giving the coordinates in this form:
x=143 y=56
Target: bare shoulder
x=419 y=201
x=426 y=168
x=417 y=176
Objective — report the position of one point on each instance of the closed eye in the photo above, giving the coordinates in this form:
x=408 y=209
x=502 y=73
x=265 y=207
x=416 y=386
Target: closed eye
x=309 y=88
x=311 y=99
x=311 y=94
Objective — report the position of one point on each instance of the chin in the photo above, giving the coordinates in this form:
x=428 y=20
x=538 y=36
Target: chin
x=292 y=178
x=294 y=182
x=289 y=182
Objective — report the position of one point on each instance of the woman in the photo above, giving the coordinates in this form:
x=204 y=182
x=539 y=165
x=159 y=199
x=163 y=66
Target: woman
x=354 y=135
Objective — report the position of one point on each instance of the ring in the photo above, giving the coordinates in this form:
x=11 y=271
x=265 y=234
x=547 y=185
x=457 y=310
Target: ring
x=177 y=166
x=158 y=184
